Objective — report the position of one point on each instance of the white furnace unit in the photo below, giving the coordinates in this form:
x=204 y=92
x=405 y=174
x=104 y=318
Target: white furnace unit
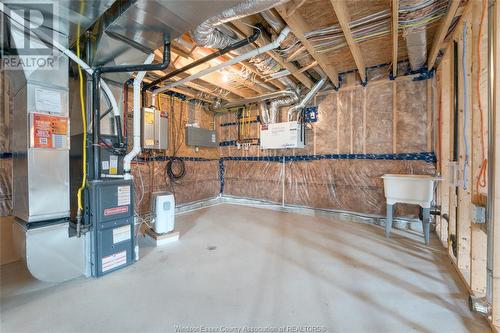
x=289 y=134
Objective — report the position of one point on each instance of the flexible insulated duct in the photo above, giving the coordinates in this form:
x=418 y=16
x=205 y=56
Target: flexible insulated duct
x=276 y=104
x=264 y=112
x=207 y=34
x=274 y=21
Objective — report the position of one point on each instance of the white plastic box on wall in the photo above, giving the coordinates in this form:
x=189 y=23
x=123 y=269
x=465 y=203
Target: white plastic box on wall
x=282 y=135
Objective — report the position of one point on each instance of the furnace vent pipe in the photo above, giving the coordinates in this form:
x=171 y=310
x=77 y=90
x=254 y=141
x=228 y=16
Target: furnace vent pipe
x=276 y=43
x=207 y=34
x=136 y=120
x=314 y=90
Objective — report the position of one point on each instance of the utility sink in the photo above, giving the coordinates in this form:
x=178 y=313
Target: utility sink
x=410 y=189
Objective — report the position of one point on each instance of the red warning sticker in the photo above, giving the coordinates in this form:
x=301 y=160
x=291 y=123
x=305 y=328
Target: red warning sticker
x=115 y=210
x=49 y=131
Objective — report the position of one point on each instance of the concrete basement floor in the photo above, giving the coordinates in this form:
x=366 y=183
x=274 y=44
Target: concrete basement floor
x=238 y=266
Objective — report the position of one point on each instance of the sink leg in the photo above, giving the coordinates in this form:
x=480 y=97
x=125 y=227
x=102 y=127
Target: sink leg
x=388 y=221
x=426 y=224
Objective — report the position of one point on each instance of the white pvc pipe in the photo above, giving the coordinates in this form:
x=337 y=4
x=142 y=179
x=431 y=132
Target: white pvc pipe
x=137 y=120
x=112 y=99
x=22 y=24
x=233 y=61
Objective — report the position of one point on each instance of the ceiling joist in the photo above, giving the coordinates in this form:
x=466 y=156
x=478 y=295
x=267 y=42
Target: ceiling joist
x=441 y=33
x=395 y=36
x=299 y=27
x=242 y=26
x=342 y=13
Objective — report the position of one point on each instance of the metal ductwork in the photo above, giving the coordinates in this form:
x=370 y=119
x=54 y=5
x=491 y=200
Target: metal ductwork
x=137 y=28
x=416 y=34
x=307 y=98
x=207 y=34
x=416 y=44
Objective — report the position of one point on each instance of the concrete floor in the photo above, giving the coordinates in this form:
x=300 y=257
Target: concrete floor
x=237 y=266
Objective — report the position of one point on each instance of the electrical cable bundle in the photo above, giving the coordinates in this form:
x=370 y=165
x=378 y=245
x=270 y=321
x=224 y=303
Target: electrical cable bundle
x=175 y=168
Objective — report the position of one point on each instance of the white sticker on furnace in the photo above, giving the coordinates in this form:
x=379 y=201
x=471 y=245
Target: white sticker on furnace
x=121 y=234
x=123 y=195
x=114 y=260
x=48 y=100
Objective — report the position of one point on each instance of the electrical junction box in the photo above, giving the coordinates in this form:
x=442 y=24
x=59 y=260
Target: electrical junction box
x=201 y=137
x=154 y=129
x=311 y=114
x=282 y=135
x=111 y=214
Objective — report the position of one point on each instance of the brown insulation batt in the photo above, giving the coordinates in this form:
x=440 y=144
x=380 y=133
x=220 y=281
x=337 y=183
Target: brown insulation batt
x=379 y=118
x=411 y=128
x=200 y=182
x=256 y=180
x=326 y=127
x=351 y=185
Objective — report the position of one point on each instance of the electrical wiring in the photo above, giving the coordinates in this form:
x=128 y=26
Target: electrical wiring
x=376 y=25
x=481 y=178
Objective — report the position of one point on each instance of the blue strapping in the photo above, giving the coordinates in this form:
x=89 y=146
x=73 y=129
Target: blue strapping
x=429 y=157
x=6 y=155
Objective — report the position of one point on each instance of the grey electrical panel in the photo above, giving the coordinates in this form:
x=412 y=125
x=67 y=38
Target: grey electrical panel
x=112 y=219
x=201 y=137
x=154 y=129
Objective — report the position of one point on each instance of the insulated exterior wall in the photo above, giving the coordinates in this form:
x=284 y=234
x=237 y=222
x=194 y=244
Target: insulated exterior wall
x=200 y=182
x=379 y=118
x=355 y=120
x=351 y=185
x=411 y=133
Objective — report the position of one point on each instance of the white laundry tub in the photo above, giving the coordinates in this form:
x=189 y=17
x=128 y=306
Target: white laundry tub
x=411 y=189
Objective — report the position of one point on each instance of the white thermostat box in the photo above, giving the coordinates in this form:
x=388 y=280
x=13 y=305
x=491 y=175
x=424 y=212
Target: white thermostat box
x=282 y=135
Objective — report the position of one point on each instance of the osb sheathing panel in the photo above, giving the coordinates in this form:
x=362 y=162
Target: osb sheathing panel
x=5 y=186
x=379 y=118
x=411 y=106
x=317 y=13
x=256 y=180
x=201 y=181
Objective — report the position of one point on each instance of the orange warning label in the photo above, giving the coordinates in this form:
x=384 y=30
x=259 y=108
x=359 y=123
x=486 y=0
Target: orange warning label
x=49 y=131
